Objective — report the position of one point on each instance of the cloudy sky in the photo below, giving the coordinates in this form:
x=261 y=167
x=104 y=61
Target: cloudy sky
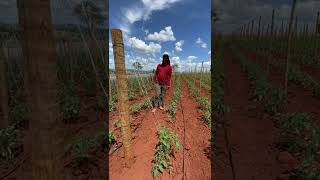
x=180 y=28
x=61 y=10
x=234 y=13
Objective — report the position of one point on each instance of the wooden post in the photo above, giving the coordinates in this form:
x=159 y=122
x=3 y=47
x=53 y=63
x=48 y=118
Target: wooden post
x=289 y=44
x=248 y=30
x=317 y=36
x=41 y=66
x=201 y=75
x=252 y=25
x=119 y=61
x=296 y=26
x=244 y=31
x=259 y=26
x=318 y=24
x=4 y=95
x=271 y=39
x=282 y=29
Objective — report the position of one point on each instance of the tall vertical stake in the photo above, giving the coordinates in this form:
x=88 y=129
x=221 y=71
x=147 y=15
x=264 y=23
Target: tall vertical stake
x=119 y=61
x=289 y=44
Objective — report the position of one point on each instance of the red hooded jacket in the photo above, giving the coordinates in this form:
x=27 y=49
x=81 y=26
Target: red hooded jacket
x=163 y=75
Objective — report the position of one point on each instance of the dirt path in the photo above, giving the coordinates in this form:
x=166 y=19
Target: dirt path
x=197 y=163
x=252 y=133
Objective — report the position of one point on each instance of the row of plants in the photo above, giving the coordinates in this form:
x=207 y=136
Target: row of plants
x=203 y=102
x=81 y=147
x=167 y=142
x=202 y=83
x=136 y=87
x=136 y=107
x=300 y=135
x=172 y=109
x=195 y=92
x=218 y=82
x=8 y=143
x=298 y=76
x=271 y=97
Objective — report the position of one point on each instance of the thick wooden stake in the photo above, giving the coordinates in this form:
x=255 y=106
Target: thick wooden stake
x=252 y=25
x=259 y=26
x=282 y=29
x=41 y=81
x=318 y=24
x=317 y=36
x=296 y=26
x=201 y=75
x=289 y=44
x=271 y=39
x=119 y=58
x=4 y=95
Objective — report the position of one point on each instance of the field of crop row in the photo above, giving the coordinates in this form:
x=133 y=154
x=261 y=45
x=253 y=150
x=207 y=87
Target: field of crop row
x=272 y=108
x=166 y=144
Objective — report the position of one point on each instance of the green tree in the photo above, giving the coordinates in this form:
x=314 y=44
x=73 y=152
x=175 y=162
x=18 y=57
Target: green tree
x=175 y=66
x=137 y=66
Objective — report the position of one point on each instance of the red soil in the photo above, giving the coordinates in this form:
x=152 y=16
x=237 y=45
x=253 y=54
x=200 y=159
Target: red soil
x=197 y=136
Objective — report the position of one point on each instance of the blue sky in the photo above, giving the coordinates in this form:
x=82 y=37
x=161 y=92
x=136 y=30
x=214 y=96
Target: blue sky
x=181 y=28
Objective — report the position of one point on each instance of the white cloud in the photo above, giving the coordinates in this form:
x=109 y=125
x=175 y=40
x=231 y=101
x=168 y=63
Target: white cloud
x=140 y=11
x=134 y=14
x=175 y=58
x=179 y=45
x=163 y=35
x=143 y=48
x=166 y=52
x=156 y=5
x=191 y=58
x=207 y=64
x=199 y=41
x=202 y=44
x=209 y=53
x=144 y=11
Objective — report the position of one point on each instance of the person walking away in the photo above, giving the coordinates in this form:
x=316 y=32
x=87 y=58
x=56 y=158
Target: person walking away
x=162 y=77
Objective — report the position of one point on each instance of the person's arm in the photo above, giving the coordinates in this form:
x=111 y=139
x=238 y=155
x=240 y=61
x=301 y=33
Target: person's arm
x=155 y=76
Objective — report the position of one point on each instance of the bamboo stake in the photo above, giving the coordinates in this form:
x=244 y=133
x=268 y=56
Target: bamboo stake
x=259 y=26
x=201 y=75
x=119 y=58
x=296 y=26
x=252 y=25
x=317 y=36
x=271 y=39
x=289 y=44
x=4 y=95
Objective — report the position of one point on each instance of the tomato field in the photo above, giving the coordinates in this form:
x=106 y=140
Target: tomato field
x=266 y=92
x=169 y=143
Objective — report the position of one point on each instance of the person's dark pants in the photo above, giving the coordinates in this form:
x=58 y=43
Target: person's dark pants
x=159 y=101
x=161 y=96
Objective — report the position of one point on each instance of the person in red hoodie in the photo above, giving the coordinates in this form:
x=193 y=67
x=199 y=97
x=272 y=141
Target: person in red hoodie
x=162 y=77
